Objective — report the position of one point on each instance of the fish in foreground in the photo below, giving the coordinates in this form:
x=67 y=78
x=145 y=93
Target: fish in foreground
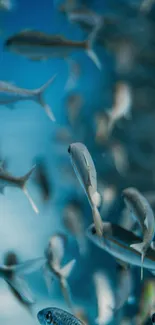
x=117 y=242
x=142 y=211
x=7 y=180
x=54 y=255
x=105 y=297
x=86 y=173
x=73 y=221
x=13 y=275
x=10 y=94
x=57 y=316
x=37 y=46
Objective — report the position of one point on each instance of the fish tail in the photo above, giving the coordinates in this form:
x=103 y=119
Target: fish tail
x=39 y=98
x=89 y=48
x=140 y=248
x=66 y=293
x=23 y=181
x=67 y=269
x=97 y=220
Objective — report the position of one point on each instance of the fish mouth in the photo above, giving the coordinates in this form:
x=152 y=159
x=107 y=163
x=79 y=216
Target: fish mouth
x=41 y=319
x=91 y=231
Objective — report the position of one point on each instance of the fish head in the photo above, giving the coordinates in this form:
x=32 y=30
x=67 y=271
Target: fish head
x=93 y=236
x=153 y=318
x=46 y=316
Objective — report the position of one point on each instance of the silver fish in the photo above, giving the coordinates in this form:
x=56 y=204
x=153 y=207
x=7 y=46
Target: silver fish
x=142 y=211
x=7 y=180
x=38 y=46
x=57 y=316
x=54 y=254
x=10 y=94
x=117 y=242
x=86 y=173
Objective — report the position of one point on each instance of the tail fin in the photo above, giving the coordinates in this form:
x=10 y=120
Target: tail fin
x=67 y=269
x=23 y=182
x=89 y=46
x=97 y=221
x=38 y=93
x=140 y=248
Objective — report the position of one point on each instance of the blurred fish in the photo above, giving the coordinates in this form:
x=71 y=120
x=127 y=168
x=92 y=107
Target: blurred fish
x=6 y=5
x=86 y=173
x=38 y=46
x=13 y=275
x=108 y=194
x=42 y=179
x=146 y=5
x=122 y=104
x=10 y=94
x=74 y=103
x=11 y=259
x=120 y=156
x=105 y=298
x=146 y=305
x=142 y=211
x=7 y=180
x=73 y=220
x=129 y=223
x=80 y=313
x=101 y=122
x=57 y=316
x=117 y=242
x=68 y=5
x=54 y=255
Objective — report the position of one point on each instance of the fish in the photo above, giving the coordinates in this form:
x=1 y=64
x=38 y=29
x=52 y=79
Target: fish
x=8 y=180
x=73 y=221
x=120 y=157
x=142 y=211
x=54 y=255
x=53 y=315
x=105 y=297
x=122 y=104
x=146 y=5
x=13 y=275
x=80 y=313
x=117 y=242
x=10 y=94
x=85 y=171
x=101 y=124
x=37 y=46
x=146 y=304
x=42 y=179
x=6 y=5
x=74 y=103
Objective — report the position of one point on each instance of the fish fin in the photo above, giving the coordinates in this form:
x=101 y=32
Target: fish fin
x=96 y=199
x=20 y=286
x=67 y=269
x=48 y=278
x=39 y=97
x=146 y=223
x=97 y=221
x=29 y=266
x=66 y=293
x=89 y=48
x=23 y=181
x=138 y=247
x=33 y=205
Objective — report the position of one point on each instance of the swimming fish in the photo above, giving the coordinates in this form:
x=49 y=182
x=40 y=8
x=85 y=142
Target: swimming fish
x=105 y=297
x=146 y=5
x=13 y=275
x=7 y=180
x=142 y=211
x=42 y=179
x=117 y=242
x=122 y=104
x=57 y=316
x=10 y=94
x=54 y=255
x=73 y=221
x=38 y=46
x=86 y=173
x=120 y=157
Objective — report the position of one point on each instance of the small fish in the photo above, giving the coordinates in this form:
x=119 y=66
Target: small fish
x=74 y=103
x=101 y=124
x=108 y=194
x=117 y=242
x=86 y=173
x=73 y=221
x=10 y=94
x=142 y=211
x=120 y=157
x=7 y=180
x=37 y=45
x=54 y=255
x=122 y=104
x=42 y=179
x=13 y=275
x=105 y=297
x=57 y=316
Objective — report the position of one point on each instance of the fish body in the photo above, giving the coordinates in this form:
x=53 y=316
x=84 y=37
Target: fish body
x=124 y=287
x=38 y=46
x=117 y=242
x=10 y=94
x=85 y=171
x=86 y=16
x=42 y=179
x=57 y=316
x=8 y=180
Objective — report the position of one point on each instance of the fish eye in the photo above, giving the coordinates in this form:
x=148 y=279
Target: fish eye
x=69 y=149
x=153 y=318
x=93 y=231
x=48 y=317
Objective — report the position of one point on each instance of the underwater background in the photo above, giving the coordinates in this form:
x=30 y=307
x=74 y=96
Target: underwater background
x=27 y=135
